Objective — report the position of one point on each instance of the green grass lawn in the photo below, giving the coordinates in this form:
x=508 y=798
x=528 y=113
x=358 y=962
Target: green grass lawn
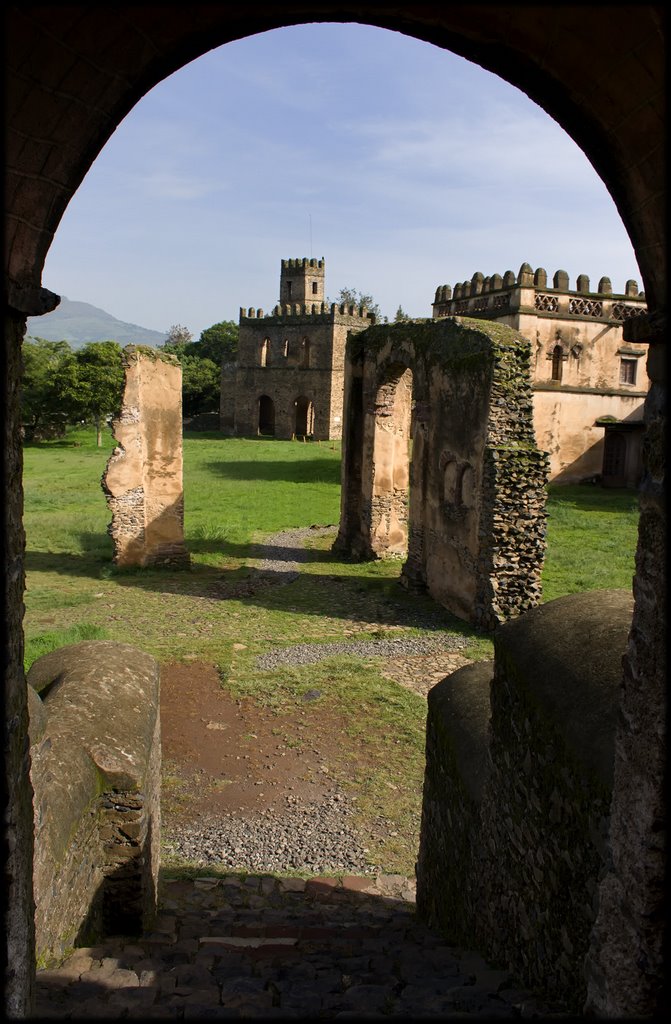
x=236 y=491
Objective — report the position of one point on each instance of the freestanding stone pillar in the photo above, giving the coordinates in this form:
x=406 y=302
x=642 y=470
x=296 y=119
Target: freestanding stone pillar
x=143 y=478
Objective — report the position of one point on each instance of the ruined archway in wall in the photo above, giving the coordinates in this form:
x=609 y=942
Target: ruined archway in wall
x=305 y=417
x=390 y=463
x=477 y=486
x=600 y=75
x=266 y=416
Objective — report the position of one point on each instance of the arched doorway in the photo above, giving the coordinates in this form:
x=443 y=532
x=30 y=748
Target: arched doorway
x=266 y=426
x=305 y=417
x=584 y=81
x=392 y=455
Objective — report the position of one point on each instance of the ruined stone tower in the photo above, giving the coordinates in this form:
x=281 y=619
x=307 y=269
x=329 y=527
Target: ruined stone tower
x=288 y=378
x=302 y=281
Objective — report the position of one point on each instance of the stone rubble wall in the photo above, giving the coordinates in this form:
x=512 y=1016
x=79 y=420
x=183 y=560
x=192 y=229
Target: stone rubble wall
x=96 y=761
x=517 y=791
x=468 y=509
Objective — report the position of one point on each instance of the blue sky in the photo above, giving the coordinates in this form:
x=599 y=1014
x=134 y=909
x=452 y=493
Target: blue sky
x=402 y=165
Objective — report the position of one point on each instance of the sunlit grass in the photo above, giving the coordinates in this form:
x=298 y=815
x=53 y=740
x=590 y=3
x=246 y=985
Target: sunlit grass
x=237 y=491
x=591 y=540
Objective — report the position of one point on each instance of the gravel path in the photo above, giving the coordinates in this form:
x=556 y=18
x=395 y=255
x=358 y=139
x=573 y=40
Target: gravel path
x=308 y=654
x=317 y=838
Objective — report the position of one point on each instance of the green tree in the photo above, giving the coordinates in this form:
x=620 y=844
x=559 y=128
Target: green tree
x=401 y=316
x=352 y=297
x=201 y=385
x=96 y=387
x=47 y=367
x=218 y=343
x=201 y=363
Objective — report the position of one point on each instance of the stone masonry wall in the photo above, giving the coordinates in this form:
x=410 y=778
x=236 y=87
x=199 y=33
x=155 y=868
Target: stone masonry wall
x=518 y=783
x=143 y=479
x=96 y=758
x=296 y=352
x=468 y=510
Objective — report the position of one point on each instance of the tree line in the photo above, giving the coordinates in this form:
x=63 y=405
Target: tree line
x=61 y=386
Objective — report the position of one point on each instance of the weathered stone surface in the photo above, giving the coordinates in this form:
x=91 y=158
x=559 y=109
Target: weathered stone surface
x=96 y=778
x=143 y=478
x=512 y=867
x=467 y=508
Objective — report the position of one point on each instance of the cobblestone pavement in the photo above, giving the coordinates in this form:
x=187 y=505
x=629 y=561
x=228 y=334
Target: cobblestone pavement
x=262 y=946
x=421 y=672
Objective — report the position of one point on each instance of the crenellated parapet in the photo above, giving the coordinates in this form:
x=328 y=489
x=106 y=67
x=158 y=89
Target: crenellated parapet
x=315 y=312
x=497 y=296
x=303 y=264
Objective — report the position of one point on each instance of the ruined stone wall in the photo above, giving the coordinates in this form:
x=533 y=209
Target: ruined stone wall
x=143 y=479
x=96 y=758
x=297 y=352
x=519 y=775
x=468 y=510
x=227 y=398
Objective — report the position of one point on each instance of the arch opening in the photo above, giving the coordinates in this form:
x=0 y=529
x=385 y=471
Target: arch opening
x=639 y=231
x=392 y=458
x=305 y=417
x=266 y=426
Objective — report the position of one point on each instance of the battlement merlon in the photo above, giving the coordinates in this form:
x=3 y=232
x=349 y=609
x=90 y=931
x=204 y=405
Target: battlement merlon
x=304 y=263
x=313 y=312
x=499 y=295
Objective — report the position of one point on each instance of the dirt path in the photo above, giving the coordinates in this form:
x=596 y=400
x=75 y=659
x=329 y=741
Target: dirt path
x=222 y=755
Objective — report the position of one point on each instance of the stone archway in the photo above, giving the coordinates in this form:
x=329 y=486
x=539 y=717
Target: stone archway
x=476 y=483
x=305 y=417
x=266 y=426
x=598 y=73
x=390 y=468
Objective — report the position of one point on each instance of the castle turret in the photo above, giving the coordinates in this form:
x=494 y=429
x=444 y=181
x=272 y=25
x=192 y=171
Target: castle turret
x=302 y=281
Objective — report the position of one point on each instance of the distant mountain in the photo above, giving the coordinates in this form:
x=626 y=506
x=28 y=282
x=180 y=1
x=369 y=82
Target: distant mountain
x=78 y=323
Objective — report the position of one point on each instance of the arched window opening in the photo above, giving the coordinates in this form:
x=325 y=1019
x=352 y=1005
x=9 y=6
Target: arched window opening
x=305 y=353
x=266 y=416
x=466 y=486
x=286 y=348
x=265 y=352
x=557 y=361
x=450 y=482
